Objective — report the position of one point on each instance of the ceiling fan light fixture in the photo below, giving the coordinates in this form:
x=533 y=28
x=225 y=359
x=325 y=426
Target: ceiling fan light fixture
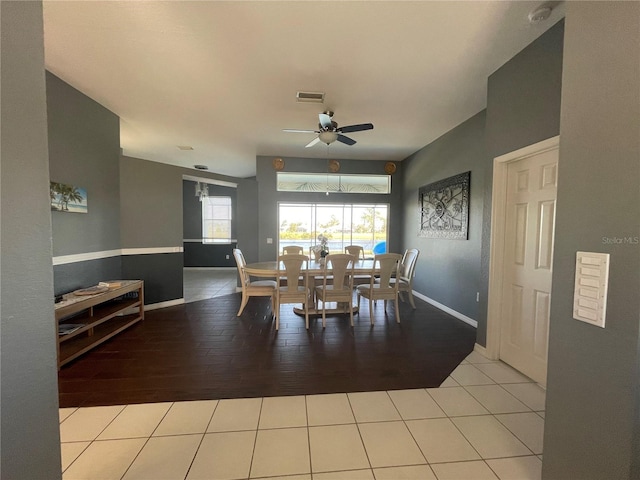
x=328 y=137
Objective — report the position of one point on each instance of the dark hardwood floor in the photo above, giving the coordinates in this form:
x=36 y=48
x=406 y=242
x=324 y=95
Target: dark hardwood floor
x=202 y=350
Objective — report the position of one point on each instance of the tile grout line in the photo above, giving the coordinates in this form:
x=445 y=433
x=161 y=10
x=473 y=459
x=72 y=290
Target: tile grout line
x=364 y=446
x=201 y=439
x=456 y=427
x=357 y=423
x=499 y=422
x=404 y=422
x=255 y=438
x=306 y=414
x=146 y=441
x=92 y=440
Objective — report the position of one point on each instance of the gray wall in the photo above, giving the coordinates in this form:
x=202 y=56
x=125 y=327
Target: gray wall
x=268 y=197
x=248 y=215
x=196 y=253
x=72 y=276
x=29 y=430
x=152 y=216
x=448 y=271
x=151 y=204
x=84 y=148
x=523 y=107
x=593 y=381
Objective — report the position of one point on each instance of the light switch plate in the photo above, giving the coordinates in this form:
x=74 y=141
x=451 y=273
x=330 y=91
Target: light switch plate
x=590 y=289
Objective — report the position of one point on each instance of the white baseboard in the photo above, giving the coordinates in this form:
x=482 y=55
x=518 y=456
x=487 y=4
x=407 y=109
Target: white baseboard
x=448 y=310
x=169 y=303
x=482 y=351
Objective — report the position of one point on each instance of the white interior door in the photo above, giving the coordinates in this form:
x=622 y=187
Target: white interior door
x=530 y=210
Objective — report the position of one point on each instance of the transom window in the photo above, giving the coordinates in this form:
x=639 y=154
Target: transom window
x=343 y=224
x=216 y=219
x=333 y=183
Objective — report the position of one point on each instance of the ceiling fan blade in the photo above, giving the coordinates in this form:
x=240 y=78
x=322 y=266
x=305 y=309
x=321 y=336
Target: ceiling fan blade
x=356 y=128
x=346 y=140
x=313 y=142
x=293 y=130
x=325 y=120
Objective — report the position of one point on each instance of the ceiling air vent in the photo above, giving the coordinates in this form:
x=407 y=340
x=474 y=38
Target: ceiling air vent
x=310 y=97
x=201 y=167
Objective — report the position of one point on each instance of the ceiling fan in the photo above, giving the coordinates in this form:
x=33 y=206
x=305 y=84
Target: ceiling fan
x=328 y=131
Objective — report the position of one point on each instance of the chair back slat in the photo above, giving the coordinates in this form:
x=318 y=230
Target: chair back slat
x=355 y=250
x=292 y=271
x=389 y=263
x=341 y=266
x=292 y=250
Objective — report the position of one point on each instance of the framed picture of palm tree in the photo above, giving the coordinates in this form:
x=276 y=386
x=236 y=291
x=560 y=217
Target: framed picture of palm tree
x=67 y=198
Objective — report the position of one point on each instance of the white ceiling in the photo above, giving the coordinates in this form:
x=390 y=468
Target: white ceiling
x=222 y=76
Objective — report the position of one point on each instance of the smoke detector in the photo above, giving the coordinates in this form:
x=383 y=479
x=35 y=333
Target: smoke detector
x=540 y=14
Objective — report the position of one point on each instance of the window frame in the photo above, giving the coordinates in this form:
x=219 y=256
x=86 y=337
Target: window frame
x=206 y=205
x=346 y=215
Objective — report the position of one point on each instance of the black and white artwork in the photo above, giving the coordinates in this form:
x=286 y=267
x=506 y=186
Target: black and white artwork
x=444 y=208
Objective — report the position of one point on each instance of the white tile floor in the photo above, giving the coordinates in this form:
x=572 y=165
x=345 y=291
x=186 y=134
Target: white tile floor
x=205 y=283
x=485 y=422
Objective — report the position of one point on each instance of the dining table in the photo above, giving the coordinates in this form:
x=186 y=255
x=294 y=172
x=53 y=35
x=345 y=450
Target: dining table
x=314 y=268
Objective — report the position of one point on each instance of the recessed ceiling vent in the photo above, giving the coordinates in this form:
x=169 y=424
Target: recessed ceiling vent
x=310 y=97
x=201 y=167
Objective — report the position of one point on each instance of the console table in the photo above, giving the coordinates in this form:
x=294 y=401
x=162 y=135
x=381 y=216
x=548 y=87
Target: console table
x=90 y=320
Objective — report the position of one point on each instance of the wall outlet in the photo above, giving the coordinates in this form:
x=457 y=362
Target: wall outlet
x=227 y=257
x=269 y=241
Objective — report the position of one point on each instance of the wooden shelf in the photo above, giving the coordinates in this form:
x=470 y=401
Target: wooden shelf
x=102 y=315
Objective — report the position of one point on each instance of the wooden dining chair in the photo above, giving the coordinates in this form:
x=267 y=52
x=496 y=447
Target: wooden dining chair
x=405 y=280
x=384 y=289
x=337 y=284
x=291 y=269
x=257 y=288
x=406 y=274
x=358 y=252
x=355 y=250
x=292 y=249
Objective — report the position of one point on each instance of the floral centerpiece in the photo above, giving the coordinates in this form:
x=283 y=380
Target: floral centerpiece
x=321 y=248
